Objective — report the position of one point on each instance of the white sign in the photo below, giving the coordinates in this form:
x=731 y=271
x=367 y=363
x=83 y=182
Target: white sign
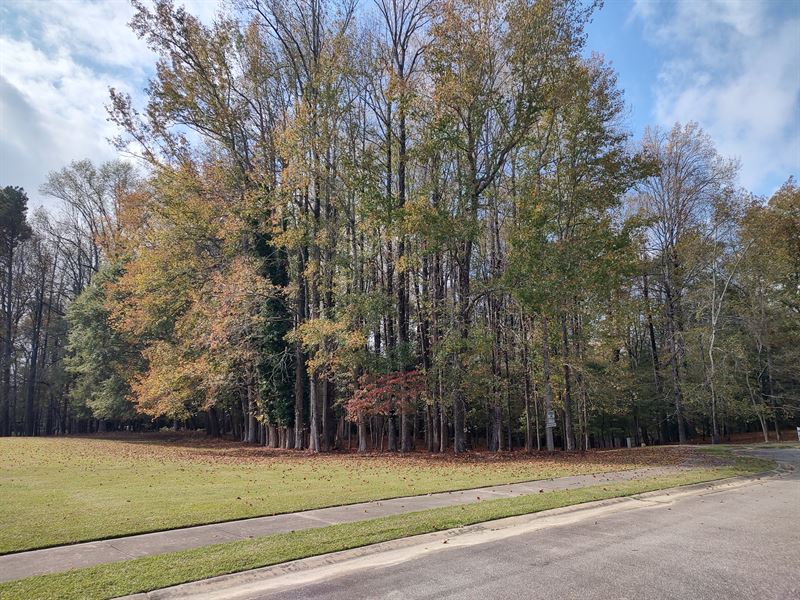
x=798 y=434
x=551 y=419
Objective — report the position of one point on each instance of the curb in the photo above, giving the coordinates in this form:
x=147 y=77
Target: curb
x=215 y=587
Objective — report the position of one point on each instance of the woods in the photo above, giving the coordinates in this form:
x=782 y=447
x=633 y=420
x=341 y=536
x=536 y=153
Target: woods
x=413 y=224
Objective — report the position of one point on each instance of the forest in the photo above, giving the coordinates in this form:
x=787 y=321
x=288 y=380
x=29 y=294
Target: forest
x=413 y=225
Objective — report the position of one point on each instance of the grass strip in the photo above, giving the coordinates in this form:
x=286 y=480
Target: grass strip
x=163 y=570
x=57 y=491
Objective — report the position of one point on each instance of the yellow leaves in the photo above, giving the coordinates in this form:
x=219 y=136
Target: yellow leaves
x=155 y=287
x=188 y=296
x=406 y=263
x=291 y=238
x=214 y=342
x=234 y=304
x=331 y=344
x=169 y=385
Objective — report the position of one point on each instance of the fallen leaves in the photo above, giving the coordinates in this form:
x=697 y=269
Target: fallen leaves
x=127 y=483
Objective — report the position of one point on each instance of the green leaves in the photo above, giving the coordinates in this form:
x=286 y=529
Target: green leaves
x=100 y=360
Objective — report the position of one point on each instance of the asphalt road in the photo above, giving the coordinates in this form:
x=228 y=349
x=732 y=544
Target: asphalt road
x=735 y=543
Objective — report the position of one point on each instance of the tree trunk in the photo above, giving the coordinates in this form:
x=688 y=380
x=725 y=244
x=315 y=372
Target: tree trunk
x=548 y=390
x=314 y=385
x=406 y=428
x=435 y=425
x=459 y=409
x=8 y=342
x=407 y=418
x=584 y=395
x=30 y=397
x=569 y=437
x=328 y=419
x=299 y=356
x=443 y=431
x=527 y=388
x=391 y=436
x=315 y=390
x=674 y=350
x=652 y=337
x=362 y=433
x=213 y=422
x=252 y=408
x=273 y=436
x=759 y=412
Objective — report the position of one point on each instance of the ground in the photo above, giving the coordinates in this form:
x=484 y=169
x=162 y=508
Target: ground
x=131 y=480
x=65 y=490
x=117 y=573
x=731 y=542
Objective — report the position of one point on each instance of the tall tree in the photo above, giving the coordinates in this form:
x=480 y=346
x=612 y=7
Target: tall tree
x=14 y=229
x=678 y=200
x=495 y=69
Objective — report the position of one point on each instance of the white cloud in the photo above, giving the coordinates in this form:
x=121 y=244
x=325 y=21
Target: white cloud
x=57 y=61
x=96 y=32
x=734 y=67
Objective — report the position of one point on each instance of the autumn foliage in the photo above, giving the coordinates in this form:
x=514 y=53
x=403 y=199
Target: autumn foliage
x=385 y=394
x=407 y=224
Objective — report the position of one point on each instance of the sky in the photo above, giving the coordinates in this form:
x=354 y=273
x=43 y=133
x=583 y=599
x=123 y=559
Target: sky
x=731 y=65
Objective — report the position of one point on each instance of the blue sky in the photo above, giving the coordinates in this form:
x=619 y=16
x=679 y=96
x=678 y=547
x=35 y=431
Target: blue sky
x=731 y=65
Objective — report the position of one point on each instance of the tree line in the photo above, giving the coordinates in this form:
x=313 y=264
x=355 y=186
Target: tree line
x=413 y=224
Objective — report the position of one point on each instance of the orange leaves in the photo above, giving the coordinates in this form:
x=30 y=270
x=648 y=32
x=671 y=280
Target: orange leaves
x=189 y=297
x=169 y=385
x=234 y=304
x=380 y=394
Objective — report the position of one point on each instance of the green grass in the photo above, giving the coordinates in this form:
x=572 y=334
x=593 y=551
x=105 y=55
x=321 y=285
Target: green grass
x=784 y=444
x=145 y=574
x=727 y=450
x=778 y=445
x=64 y=490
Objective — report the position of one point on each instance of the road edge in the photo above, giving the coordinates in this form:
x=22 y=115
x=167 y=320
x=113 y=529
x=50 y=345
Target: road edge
x=271 y=578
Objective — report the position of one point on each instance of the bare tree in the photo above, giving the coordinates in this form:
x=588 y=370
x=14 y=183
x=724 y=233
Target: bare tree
x=679 y=199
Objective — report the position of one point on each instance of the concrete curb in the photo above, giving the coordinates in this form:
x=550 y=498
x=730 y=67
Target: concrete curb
x=85 y=554
x=245 y=584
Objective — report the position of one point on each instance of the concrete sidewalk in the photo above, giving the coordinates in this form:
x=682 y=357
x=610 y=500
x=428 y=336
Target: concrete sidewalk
x=74 y=556
x=462 y=562
x=595 y=550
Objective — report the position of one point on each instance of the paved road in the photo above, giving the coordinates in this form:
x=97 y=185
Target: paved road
x=742 y=543
x=63 y=558
x=737 y=541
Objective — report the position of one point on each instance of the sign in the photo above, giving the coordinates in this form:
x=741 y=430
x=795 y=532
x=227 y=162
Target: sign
x=798 y=434
x=551 y=419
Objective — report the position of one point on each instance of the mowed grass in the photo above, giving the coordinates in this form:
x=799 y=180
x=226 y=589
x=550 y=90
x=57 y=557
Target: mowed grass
x=153 y=572
x=63 y=490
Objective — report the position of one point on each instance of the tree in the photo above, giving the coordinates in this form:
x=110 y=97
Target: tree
x=678 y=200
x=413 y=220
x=766 y=300
x=14 y=229
x=495 y=69
x=91 y=197
x=99 y=359
x=569 y=248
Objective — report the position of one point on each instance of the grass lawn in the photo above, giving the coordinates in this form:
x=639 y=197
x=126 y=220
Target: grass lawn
x=144 y=574
x=63 y=490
